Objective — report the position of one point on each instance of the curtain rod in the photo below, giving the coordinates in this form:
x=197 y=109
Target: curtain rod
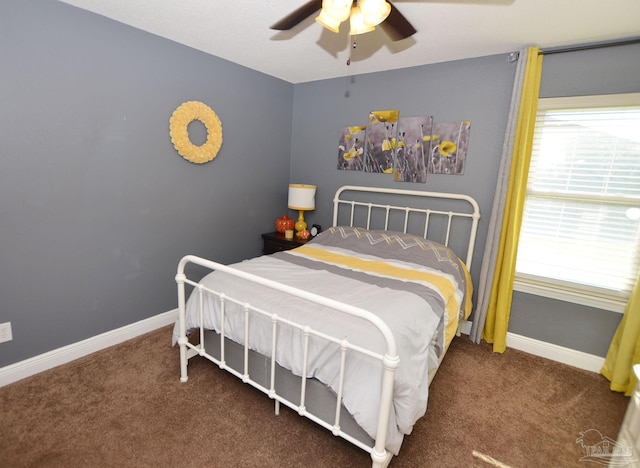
x=589 y=46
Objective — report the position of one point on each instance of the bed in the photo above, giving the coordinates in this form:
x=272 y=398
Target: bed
x=349 y=329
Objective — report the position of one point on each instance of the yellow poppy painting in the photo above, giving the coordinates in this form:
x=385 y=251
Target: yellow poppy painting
x=413 y=146
x=381 y=135
x=449 y=143
x=351 y=148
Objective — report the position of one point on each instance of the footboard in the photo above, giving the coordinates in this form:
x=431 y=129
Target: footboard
x=388 y=361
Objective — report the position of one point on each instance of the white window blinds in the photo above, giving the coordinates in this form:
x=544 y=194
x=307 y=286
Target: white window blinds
x=581 y=224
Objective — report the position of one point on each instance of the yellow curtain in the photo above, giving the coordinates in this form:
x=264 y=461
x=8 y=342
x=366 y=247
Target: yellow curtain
x=499 y=308
x=624 y=350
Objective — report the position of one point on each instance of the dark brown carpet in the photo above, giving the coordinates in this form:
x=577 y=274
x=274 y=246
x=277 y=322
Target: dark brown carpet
x=125 y=407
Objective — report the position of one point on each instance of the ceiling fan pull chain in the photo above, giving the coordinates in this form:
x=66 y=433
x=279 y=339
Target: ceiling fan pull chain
x=354 y=44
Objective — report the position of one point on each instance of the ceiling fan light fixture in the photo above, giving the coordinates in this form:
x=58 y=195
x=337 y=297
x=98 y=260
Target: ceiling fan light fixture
x=358 y=23
x=333 y=13
x=328 y=21
x=337 y=9
x=375 y=11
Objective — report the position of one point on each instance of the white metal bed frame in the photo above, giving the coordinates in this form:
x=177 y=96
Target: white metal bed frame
x=389 y=360
x=474 y=214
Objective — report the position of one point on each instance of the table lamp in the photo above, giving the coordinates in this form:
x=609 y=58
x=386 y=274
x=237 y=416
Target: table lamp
x=302 y=198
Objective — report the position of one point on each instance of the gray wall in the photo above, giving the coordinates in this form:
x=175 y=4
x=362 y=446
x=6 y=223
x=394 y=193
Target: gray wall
x=609 y=70
x=96 y=206
x=478 y=90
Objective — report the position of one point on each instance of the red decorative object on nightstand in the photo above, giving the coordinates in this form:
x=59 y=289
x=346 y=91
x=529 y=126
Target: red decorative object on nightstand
x=284 y=223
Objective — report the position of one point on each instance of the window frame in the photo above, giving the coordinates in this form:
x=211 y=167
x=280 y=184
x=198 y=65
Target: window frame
x=558 y=289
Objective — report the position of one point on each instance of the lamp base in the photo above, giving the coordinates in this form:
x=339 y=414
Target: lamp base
x=300 y=225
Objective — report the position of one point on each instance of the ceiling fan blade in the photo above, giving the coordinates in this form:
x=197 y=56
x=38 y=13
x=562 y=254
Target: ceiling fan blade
x=298 y=15
x=397 y=26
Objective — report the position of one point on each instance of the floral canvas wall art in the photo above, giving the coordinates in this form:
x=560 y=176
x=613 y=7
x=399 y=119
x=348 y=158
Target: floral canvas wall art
x=382 y=129
x=351 y=148
x=412 y=149
x=449 y=143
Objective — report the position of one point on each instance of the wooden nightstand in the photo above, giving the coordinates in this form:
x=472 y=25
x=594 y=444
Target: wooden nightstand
x=275 y=242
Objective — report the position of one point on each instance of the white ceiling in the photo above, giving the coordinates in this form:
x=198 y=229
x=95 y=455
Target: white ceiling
x=238 y=30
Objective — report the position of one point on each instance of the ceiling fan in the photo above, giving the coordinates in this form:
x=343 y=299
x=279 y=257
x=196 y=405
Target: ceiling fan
x=364 y=15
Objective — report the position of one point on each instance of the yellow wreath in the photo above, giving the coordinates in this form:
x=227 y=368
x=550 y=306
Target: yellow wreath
x=178 y=129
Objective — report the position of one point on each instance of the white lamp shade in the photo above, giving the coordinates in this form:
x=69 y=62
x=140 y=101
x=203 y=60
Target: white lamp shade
x=374 y=11
x=302 y=197
x=333 y=13
x=328 y=22
x=358 y=23
x=338 y=9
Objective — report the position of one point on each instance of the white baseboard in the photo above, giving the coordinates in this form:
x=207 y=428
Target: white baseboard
x=465 y=327
x=20 y=370
x=28 y=367
x=551 y=351
x=554 y=352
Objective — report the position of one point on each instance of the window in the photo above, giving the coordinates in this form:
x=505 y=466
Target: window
x=580 y=237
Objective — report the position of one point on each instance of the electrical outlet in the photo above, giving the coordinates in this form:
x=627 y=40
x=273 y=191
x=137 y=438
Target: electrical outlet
x=5 y=332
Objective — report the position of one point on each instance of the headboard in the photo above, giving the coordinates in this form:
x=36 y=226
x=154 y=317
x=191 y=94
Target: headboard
x=448 y=218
